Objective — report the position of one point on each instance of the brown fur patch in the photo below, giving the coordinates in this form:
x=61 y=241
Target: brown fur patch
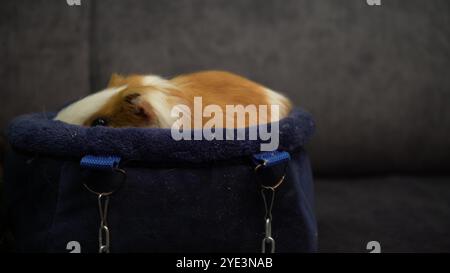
x=221 y=88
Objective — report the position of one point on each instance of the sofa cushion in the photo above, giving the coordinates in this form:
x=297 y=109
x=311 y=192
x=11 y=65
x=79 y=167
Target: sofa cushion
x=402 y=213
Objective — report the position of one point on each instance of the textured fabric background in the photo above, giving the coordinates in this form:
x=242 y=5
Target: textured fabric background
x=375 y=78
x=44 y=56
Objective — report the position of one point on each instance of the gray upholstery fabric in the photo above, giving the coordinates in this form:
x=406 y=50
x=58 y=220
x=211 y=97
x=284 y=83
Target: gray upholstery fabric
x=375 y=78
x=44 y=56
x=404 y=214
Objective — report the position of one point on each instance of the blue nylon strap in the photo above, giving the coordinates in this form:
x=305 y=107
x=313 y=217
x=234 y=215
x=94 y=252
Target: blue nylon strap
x=269 y=159
x=100 y=162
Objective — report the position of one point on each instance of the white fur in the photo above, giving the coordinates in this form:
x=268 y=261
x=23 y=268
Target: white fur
x=159 y=102
x=275 y=98
x=157 y=82
x=159 y=99
x=78 y=112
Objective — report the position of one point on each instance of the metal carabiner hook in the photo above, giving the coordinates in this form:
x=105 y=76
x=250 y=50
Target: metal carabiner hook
x=268 y=239
x=103 y=203
x=268 y=206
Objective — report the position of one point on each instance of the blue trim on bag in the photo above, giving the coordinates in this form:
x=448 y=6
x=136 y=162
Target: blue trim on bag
x=100 y=162
x=269 y=159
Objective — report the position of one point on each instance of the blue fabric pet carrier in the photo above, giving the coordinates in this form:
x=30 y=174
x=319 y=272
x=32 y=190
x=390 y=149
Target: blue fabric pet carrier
x=98 y=189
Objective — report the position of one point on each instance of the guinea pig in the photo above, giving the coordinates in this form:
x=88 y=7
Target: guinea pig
x=149 y=101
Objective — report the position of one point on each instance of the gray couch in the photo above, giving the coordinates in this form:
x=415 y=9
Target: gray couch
x=376 y=79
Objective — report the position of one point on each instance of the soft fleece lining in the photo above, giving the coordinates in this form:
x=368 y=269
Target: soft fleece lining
x=39 y=133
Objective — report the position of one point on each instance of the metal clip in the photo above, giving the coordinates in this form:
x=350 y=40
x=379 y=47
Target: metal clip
x=267 y=160
x=103 y=202
x=268 y=240
x=103 y=241
x=268 y=206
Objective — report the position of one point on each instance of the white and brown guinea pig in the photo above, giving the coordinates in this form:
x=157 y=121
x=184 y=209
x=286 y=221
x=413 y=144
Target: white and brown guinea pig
x=147 y=100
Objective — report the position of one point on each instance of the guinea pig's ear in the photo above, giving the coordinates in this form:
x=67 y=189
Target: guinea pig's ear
x=137 y=107
x=116 y=80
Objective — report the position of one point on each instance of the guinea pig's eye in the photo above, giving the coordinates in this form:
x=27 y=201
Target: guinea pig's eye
x=99 y=122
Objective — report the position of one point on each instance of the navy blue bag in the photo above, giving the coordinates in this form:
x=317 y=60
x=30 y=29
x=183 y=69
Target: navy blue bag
x=176 y=196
